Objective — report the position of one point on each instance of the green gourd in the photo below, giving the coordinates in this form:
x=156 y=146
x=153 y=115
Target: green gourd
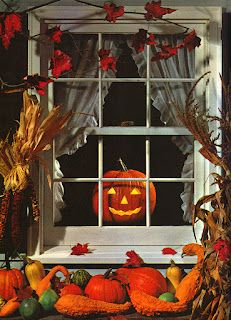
x=30 y=309
x=168 y=296
x=48 y=299
x=81 y=278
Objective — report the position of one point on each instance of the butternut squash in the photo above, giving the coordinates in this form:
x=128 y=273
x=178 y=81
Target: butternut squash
x=34 y=271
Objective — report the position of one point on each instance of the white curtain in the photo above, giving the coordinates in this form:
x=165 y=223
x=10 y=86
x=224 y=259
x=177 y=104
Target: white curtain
x=165 y=94
x=80 y=97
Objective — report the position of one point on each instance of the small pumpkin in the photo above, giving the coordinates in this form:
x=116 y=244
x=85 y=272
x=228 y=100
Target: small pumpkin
x=10 y=281
x=71 y=288
x=81 y=277
x=124 y=202
x=148 y=280
x=30 y=309
x=106 y=288
x=48 y=299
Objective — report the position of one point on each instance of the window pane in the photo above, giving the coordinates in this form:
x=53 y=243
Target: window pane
x=166 y=159
x=179 y=65
x=78 y=205
x=83 y=163
x=83 y=50
x=131 y=149
x=168 y=209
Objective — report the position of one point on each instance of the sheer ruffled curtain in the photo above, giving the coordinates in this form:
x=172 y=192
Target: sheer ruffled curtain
x=83 y=99
x=164 y=94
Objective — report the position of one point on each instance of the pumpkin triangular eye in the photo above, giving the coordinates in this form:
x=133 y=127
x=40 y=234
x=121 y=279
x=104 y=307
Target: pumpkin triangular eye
x=135 y=191
x=111 y=191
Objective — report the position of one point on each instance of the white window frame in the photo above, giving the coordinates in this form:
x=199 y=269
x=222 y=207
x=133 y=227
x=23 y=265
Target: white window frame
x=149 y=243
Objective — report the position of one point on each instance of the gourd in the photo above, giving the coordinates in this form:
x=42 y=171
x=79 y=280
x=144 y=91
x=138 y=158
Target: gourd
x=148 y=280
x=9 y=307
x=185 y=292
x=48 y=299
x=173 y=277
x=124 y=201
x=45 y=283
x=105 y=288
x=71 y=288
x=151 y=306
x=34 y=271
x=81 y=278
x=30 y=309
x=168 y=296
x=76 y=306
x=10 y=280
x=191 y=283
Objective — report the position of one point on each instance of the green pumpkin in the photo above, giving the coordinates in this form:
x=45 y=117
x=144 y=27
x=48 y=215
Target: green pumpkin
x=48 y=299
x=81 y=278
x=30 y=309
x=168 y=296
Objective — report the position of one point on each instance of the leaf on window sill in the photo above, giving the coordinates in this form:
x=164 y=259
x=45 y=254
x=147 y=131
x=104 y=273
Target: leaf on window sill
x=80 y=249
x=169 y=251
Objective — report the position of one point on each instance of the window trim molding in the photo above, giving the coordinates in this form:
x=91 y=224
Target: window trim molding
x=36 y=247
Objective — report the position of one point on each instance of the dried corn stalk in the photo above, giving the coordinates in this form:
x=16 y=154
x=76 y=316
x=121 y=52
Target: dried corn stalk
x=33 y=136
x=214 y=300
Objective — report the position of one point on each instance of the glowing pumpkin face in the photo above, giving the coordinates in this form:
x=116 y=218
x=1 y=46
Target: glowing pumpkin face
x=124 y=201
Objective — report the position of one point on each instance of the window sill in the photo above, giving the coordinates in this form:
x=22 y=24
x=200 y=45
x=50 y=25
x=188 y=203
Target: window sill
x=111 y=255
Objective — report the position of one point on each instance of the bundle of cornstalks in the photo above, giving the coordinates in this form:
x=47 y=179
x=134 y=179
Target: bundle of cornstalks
x=33 y=136
x=214 y=300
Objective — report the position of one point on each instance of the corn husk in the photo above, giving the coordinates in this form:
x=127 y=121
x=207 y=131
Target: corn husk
x=34 y=135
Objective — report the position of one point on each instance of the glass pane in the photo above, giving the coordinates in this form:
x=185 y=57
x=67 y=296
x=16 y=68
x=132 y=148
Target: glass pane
x=83 y=50
x=179 y=65
x=125 y=103
x=83 y=163
x=166 y=159
x=78 y=205
x=168 y=209
x=131 y=149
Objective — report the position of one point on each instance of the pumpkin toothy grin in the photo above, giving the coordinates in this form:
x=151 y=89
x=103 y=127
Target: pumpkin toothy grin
x=125 y=213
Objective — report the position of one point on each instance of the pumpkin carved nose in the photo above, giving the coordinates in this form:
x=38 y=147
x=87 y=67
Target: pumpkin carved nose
x=124 y=200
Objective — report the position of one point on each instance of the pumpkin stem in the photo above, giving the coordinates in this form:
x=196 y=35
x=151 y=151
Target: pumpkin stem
x=123 y=165
x=107 y=273
x=173 y=264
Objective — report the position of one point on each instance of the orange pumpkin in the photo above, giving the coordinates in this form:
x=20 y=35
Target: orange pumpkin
x=106 y=288
x=124 y=201
x=10 y=279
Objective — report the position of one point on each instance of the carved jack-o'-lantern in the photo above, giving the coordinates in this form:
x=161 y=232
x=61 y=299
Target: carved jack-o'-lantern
x=124 y=201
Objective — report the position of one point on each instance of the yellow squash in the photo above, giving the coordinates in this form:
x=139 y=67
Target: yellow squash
x=34 y=271
x=173 y=277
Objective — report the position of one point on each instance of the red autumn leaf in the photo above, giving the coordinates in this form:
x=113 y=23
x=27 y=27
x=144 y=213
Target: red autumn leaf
x=113 y=12
x=103 y=53
x=154 y=10
x=151 y=39
x=191 y=41
x=107 y=62
x=9 y=25
x=139 y=40
x=59 y=63
x=54 y=34
x=165 y=53
x=79 y=249
x=169 y=251
x=37 y=82
x=223 y=249
x=134 y=260
x=24 y=293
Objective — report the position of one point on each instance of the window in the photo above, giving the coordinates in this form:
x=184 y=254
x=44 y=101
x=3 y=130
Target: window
x=128 y=115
